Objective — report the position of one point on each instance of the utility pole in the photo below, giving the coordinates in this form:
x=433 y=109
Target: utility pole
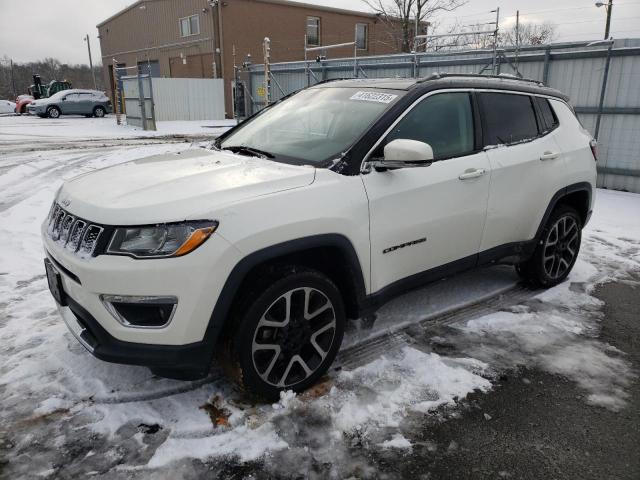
x=609 y=9
x=13 y=79
x=495 y=41
x=93 y=73
x=517 y=38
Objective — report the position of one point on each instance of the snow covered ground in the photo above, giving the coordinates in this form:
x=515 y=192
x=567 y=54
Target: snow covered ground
x=30 y=128
x=64 y=413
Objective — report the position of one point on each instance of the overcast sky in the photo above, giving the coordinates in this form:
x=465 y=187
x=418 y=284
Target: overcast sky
x=38 y=29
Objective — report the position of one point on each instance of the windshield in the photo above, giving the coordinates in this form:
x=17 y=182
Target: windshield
x=313 y=126
x=58 y=95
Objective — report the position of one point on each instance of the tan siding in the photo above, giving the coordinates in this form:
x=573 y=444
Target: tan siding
x=153 y=32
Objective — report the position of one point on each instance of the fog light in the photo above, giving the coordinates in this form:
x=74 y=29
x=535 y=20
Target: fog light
x=141 y=311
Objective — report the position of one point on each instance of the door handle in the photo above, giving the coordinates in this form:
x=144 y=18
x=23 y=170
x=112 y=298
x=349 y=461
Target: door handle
x=472 y=174
x=549 y=156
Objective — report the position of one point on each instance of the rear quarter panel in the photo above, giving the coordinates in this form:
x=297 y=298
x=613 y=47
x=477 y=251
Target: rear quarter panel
x=580 y=165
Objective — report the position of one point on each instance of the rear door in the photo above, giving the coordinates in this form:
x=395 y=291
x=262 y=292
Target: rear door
x=85 y=103
x=428 y=217
x=527 y=166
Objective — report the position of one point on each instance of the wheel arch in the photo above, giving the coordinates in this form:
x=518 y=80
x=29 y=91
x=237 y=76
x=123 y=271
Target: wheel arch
x=577 y=195
x=332 y=254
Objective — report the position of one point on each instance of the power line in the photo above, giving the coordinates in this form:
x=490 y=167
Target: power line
x=553 y=10
x=613 y=34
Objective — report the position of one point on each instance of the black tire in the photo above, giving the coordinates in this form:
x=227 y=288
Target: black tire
x=556 y=251
x=53 y=112
x=297 y=363
x=99 y=112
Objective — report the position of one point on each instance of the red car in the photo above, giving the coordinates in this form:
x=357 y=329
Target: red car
x=21 y=103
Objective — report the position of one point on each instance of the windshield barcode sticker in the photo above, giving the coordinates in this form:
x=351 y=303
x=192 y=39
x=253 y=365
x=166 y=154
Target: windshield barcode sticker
x=374 y=97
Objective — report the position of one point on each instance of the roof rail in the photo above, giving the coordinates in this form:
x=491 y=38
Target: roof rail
x=436 y=76
x=329 y=80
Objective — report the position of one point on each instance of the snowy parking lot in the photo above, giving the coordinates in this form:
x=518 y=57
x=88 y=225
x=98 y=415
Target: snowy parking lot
x=65 y=414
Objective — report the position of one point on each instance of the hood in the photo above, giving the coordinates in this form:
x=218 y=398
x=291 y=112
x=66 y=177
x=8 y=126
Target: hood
x=173 y=187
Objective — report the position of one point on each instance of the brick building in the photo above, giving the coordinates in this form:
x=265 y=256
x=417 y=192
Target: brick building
x=197 y=38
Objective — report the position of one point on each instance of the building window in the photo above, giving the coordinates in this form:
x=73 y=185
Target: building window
x=189 y=26
x=313 y=31
x=362 y=35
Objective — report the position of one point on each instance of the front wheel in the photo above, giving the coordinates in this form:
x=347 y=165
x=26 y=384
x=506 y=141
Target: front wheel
x=288 y=335
x=99 y=112
x=557 y=249
x=53 y=112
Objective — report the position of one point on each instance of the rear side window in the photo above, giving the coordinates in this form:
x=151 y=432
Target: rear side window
x=508 y=118
x=549 y=119
x=444 y=121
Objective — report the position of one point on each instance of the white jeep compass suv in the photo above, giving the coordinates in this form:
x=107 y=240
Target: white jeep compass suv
x=316 y=210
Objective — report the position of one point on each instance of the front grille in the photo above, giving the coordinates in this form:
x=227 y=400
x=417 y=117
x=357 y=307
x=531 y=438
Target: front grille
x=74 y=234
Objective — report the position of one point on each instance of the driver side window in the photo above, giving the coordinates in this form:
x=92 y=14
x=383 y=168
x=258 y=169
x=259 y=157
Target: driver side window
x=444 y=121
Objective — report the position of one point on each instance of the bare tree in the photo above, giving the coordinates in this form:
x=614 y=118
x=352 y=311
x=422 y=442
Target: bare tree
x=48 y=69
x=400 y=16
x=529 y=33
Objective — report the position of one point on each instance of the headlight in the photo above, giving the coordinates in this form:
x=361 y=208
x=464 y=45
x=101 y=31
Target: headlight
x=160 y=241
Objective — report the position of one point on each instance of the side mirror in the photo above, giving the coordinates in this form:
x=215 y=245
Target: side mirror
x=404 y=153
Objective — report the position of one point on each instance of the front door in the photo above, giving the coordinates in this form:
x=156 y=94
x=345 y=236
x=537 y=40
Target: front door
x=433 y=216
x=69 y=104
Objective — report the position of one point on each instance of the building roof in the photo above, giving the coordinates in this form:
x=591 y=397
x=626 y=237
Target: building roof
x=289 y=3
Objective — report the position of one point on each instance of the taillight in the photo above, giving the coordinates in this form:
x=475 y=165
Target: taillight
x=594 y=149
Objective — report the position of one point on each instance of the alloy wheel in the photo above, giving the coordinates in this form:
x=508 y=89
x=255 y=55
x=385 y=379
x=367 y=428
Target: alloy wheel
x=293 y=337
x=561 y=247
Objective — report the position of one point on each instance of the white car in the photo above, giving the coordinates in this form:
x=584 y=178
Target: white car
x=7 y=106
x=316 y=210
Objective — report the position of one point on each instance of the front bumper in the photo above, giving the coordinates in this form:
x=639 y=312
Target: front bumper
x=196 y=280
x=194 y=357
x=36 y=110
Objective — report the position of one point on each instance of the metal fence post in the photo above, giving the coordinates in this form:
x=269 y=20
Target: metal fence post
x=250 y=89
x=545 y=70
x=603 y=89
x=143 y=107
x=152 y=102
x=116 y=93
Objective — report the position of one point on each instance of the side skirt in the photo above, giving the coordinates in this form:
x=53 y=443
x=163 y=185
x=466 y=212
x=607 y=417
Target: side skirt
x=508 y=254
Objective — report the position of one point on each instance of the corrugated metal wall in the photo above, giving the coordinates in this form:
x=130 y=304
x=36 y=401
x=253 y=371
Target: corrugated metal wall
x=574 y=68
x=189 y=98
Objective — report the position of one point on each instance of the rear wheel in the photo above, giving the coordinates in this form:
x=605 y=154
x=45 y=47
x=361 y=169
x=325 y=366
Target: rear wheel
x=289 y=334
x=53 y=112
x=557 y=249
x=99 y=112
